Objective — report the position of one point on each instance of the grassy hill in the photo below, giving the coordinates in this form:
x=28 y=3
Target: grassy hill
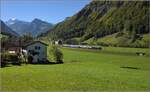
x=128 y=19
x=113 y=40
x=83 y=70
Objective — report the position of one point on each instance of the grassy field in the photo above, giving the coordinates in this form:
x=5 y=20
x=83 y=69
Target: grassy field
x=83 y=70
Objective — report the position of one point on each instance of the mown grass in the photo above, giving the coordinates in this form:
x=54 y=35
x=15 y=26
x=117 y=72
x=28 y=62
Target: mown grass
x=83 y=70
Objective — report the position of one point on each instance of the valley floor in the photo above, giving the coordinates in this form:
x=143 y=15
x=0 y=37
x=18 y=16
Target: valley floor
x=83 y=70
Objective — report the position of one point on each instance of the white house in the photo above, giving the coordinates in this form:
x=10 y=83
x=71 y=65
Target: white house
x=37 y=51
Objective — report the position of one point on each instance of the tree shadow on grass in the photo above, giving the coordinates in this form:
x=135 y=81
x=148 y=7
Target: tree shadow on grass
x=128 y=67
x=5 y=66
x=46 y=63
x=74 y=61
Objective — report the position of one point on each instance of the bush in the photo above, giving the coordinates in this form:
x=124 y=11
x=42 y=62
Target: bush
x=10 y=57
x=2 y=61
x=56 y=54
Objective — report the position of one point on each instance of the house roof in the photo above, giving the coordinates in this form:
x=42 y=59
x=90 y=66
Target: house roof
x=14 y=48
x=33 y=42
x=10 y=43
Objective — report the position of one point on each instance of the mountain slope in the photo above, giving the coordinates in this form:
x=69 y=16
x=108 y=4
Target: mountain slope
x=18 y=26
x=101 y=18
x=35 y=27
x=121 y=41
x=38 y=26
x=5 y=30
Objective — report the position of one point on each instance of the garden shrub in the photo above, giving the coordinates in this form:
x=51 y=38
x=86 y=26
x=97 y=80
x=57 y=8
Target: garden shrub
x=3 y=62
x=56 y=54
x=10 y=57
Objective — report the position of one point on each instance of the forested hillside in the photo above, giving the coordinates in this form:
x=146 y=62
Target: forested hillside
x=126 y=21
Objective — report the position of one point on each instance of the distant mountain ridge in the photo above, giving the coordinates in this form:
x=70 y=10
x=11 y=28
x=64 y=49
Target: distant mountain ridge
x=5 y=30
x=34 y=27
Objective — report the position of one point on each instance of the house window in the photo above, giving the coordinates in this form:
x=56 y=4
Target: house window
x=31 y=51
x=37 y=47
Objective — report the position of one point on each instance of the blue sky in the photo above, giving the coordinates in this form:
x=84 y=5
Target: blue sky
x=53 y=11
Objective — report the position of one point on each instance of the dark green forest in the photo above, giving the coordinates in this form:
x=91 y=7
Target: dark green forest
x=126 y=21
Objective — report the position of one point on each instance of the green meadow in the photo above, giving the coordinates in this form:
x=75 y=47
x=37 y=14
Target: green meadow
x=110 y=69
